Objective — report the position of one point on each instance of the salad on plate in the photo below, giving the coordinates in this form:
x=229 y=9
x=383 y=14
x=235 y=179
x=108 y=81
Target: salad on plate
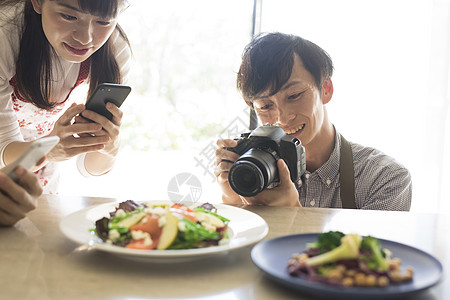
x=348 y=260
x=144 y=226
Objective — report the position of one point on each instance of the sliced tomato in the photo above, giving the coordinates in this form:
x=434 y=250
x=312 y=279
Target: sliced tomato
x=181 y=213
x=181 y=206
x=140 y=244
x=150 y=225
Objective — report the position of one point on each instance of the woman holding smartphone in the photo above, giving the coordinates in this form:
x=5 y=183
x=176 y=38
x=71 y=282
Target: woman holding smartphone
x=47 y=49
x=18 y=197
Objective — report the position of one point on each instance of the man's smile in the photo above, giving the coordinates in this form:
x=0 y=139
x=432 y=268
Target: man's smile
x=295 y=130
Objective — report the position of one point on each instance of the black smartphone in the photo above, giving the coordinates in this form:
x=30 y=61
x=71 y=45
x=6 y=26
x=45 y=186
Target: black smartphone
x=104 y=93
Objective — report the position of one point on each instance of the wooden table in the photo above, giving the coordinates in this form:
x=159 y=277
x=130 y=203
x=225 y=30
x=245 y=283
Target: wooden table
x=38 y=262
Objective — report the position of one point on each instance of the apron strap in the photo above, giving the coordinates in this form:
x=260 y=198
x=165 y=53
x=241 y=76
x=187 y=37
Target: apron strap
x=347 y=175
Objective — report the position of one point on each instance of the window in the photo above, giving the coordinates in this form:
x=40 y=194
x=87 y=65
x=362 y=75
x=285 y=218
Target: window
x=391 y=80
x=391 y=85
x=186 y=56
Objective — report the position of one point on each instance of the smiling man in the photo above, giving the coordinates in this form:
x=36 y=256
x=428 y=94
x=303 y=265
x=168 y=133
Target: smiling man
x=287 y=81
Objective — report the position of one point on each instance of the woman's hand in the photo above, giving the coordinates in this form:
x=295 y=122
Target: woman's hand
x=110 y=129
x=76 y=137
x=18 y=198
x=100 y=162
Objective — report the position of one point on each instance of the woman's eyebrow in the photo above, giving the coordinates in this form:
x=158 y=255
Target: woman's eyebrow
x=70 y=7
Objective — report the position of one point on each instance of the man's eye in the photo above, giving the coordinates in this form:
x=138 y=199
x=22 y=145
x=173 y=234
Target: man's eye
x=264 y=107
x=68 y=17
x=295 y=96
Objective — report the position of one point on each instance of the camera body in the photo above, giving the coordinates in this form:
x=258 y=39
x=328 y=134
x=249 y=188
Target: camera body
x=259 y=151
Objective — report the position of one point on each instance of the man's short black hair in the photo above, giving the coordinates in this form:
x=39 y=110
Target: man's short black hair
x=268 y=59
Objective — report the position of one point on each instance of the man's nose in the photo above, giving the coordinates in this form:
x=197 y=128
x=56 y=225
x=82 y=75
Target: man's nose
x=284 y=116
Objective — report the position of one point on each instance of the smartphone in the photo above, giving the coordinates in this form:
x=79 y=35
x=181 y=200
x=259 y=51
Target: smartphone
x=32 y=155
x=104 y=93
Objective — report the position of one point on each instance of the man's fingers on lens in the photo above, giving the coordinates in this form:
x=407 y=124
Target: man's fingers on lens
x=226 y=143
x=217 y=170
x=224 y=166
x=283 y=171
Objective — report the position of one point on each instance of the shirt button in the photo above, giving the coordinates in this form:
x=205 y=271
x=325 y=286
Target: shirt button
x=312 y=202
x=328 y=182
x=307 y=176
x=299 y=183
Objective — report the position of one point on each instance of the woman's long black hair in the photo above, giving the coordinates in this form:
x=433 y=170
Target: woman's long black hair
x=34 y=64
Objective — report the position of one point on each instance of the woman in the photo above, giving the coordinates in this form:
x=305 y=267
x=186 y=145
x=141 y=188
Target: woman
x=47 y=49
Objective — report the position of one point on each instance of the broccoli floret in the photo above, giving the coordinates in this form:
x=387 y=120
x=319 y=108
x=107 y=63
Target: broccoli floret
x=377 y=260
x=327 y=241
x=349 y=249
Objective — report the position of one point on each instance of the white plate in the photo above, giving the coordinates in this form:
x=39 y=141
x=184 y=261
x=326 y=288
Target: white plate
x=245 y=228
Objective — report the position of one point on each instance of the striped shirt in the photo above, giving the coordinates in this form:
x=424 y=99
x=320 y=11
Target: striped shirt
x=381 y=183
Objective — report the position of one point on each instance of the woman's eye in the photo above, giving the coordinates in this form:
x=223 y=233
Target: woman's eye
x=104 y=23
x=68 y=17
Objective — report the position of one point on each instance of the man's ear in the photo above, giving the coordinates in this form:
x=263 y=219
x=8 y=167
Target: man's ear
x=37 y=6
x=327 y=90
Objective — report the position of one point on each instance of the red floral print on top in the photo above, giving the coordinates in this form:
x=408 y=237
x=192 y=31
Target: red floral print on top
x=35 y=122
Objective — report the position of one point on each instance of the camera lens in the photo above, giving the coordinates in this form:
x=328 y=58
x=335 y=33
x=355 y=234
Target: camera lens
x=246 y=178
x=253 y=172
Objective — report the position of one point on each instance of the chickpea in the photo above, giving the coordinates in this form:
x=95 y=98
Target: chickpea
x=371 y=280
x=396 y=276
x=350 y=273
x=348 y=281
x=360 y=279
x=341 y=268
x=409 y=273
x=335 y=274
x=382 y=281
x=395 y=264
x=301 y=257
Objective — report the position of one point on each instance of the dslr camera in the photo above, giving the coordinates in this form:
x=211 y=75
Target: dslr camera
x=259 y=151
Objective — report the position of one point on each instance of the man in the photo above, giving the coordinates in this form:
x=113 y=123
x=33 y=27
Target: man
x=287 y=81
x=18 y=198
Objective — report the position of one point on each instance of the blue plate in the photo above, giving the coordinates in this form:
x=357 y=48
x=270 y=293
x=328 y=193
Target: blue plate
x=272 y=256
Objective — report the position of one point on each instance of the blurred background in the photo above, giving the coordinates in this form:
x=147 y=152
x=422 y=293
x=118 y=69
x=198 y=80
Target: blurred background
x=391 y=89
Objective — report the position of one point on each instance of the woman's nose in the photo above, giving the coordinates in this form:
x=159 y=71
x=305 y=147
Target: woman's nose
x=83 y=34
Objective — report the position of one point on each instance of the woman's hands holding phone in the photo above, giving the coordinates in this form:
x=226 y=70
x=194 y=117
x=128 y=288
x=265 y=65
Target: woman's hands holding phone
x=76 y=137
x=111 y=129
x=84 y=131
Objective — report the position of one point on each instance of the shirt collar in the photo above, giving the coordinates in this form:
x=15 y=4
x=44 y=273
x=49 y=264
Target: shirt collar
x=330 y=169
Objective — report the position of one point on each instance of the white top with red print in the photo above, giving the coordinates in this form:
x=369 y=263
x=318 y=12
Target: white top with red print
x=22 y=121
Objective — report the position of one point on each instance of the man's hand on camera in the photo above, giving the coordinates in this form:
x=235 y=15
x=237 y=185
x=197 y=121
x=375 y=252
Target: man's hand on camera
x=224 y=160
x=285 y=194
